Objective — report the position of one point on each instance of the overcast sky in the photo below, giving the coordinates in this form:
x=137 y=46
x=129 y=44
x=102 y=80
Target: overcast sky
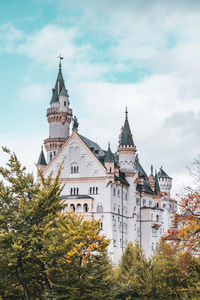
x=141 y=54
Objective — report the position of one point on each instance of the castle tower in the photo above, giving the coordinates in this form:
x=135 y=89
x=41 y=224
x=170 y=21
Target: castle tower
x=109 y=162
x=165 y=182
x=126 y=148
x=41 y=164
x=59 y=117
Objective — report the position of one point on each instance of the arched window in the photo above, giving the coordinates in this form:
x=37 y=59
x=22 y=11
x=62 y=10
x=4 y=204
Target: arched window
x=74 y=168
x=110 y=170
x=71 y=191
x=97 y=190
x=90 y=191
x=151 y=216
x=64 y=103
x=77 y=191
x=93 y=190
x=85 y=207
x=157 y=218
x=118 y=193
x=50 y=156
x=99 y=208
x=72 y=207
x=74 y=191
x=78 y=208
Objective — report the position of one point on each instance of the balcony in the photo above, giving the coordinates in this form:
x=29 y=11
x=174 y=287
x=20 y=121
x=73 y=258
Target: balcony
x=56 y=110
x=155 y=224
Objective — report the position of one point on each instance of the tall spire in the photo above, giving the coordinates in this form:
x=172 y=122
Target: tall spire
x=163 y=174
x=126 y=139
x=59 y=83
x=126 y=113
x=41 y=160
x=109 y=157
x=60 y=58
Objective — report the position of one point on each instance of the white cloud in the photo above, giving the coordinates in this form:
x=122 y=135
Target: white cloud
x=152 y=105
x=160 y=37
x=27 y=149
x=36 y=92
x=47 y=43
x=9 y=37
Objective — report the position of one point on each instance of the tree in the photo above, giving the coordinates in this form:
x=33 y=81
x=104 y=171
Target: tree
x=45 y=253
x=27 y=210
x=133 y=275
x=185 y=234
x=176 y=275
x=85 y=267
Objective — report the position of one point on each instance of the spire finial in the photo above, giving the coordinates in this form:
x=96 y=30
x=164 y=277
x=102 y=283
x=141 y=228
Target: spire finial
x=126 y=113
x=42 y=147
x=60 y=58
x=108 y=144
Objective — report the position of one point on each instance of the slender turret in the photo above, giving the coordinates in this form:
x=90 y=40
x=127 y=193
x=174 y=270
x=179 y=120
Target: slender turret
x=126 y=147
x=41 y=164
x=59 y=117
x=165 y=181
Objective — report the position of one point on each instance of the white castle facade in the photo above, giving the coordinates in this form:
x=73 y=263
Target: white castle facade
x=114 y=188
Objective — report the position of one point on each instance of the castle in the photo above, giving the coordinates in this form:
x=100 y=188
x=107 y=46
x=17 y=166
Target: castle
x=100 y=184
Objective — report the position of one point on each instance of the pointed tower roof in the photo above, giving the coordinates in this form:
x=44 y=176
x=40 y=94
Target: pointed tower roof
x=58 y=85
x=126 y=139
x=109 y=157
x=157 y=186
x=41 y=159
x=163 y=174
x=64 y=92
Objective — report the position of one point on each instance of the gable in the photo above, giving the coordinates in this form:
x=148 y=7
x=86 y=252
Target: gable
x=78 y=161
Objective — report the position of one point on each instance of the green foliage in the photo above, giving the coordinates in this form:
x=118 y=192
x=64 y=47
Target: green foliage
x=48 y=254
x=42 y=248
x=176 y=274
x=134 y=275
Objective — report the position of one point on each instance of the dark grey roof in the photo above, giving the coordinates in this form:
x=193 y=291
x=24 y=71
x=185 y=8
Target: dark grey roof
x=76 y=197
x=109 y=157
x=94 y=147
x=126 y=139
x=145 y=187
x=64 y=92
x=157 y=186
x=121 y=178
x=41 y=159
x=60 y=83
x=163 y=174
x=139 y=168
